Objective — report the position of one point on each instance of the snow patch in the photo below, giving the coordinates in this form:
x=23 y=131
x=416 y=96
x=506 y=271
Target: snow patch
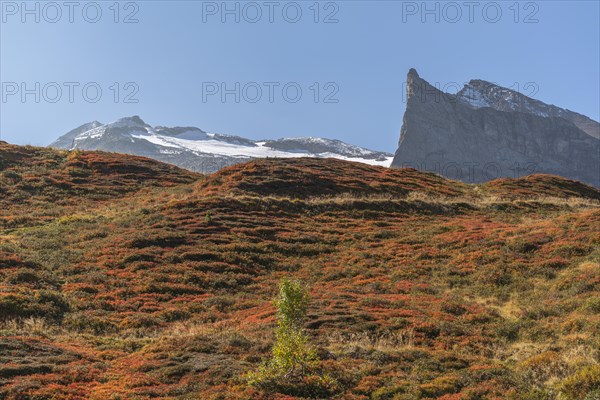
x=200 y=143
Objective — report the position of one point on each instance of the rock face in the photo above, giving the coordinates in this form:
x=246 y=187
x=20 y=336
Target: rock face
x=485 y=132
x=196 y=150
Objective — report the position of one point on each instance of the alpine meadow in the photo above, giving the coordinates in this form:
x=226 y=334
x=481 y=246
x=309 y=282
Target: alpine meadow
x=264 y=200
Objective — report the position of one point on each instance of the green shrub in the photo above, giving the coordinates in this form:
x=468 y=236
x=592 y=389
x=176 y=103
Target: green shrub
x=24 y=276
x=49 y=304
x=440 y=386
x=292 y=368
x=592 y=306
x=593 y=395
x=582 y=384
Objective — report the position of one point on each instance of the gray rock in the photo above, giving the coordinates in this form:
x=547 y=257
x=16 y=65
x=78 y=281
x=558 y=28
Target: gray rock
x=197 y=150
x=486 y=132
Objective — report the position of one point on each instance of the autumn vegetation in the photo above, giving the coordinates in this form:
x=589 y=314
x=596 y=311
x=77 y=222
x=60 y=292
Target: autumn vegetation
x=126 y=278
x=293 y=366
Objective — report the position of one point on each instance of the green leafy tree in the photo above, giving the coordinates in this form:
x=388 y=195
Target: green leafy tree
x=294 y=363
x=292 y=356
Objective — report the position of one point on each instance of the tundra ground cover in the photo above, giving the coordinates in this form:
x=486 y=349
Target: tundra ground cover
x=115 y=284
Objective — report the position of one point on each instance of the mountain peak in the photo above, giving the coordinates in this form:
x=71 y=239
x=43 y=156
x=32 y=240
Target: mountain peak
x=479 y=93
x=87 y=126
x=417 y=88
x=194 y=149
x=67 y=141
x=412 y=73
x=487 y=131
x=134 y=120
x=413 y=78
x=481 y=82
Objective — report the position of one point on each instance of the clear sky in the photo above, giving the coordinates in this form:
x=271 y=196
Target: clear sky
x=175 y=59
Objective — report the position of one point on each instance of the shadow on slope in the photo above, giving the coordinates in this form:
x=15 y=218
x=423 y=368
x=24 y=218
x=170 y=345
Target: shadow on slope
x=538 y=185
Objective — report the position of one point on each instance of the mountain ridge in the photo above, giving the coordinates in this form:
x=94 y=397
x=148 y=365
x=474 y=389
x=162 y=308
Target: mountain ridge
x=194 y=149
x=505 y=99
x=486 y=132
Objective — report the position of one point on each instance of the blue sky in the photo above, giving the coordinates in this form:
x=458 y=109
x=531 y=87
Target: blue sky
x=178 y=51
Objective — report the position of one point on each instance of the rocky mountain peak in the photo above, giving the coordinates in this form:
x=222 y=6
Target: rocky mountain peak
x=486 y=131
x=412 y=74
x=197 y=150
x=134 y=120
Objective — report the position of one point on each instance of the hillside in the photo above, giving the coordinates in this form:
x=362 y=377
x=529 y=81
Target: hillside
x=40 y=184
x=125 y=278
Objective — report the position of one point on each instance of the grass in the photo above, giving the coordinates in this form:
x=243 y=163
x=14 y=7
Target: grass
x=114 y=284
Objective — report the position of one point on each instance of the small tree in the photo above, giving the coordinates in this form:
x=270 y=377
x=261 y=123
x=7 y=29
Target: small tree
x=292 y=356
x=293 y=361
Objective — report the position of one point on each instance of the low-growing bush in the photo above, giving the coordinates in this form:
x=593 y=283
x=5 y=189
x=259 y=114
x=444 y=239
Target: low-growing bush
x=582 y=384
x=49 y=304
x=293 y=366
